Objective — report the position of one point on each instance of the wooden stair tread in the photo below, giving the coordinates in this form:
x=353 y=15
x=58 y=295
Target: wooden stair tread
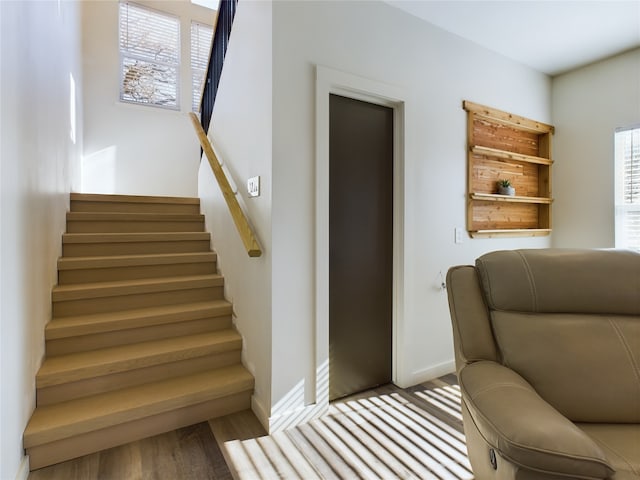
x=126 y=319
x=77 y=263
x=133 y=237
x=129 y=287
x=134 y=217
x=78 y=366
x=63 y=420
x=106 y=198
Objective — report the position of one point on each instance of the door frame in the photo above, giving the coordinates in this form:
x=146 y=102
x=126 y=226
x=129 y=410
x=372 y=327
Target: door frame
x=330 y=81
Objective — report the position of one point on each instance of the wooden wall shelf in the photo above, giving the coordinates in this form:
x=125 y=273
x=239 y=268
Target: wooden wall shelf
x=523 y=232
x=494 y=197
x=502 y=145
x=504 y=154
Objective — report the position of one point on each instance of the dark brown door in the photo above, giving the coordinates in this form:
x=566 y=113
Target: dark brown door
x=360 y=245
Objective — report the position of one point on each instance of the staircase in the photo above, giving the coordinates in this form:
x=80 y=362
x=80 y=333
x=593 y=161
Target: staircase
x=141 y=340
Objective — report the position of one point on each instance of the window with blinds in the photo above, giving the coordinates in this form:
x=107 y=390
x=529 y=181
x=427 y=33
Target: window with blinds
x=627 y=160
x=150 y=56
x=200 y=47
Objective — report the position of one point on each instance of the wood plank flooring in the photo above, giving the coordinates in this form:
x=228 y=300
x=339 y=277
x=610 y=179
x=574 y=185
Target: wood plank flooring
x=386 y=433
x=183 y=454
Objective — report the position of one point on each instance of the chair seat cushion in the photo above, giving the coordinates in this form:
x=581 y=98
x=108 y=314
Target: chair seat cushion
x=621 y=445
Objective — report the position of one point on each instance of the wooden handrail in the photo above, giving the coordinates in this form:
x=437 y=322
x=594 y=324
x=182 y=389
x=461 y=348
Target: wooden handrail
x=239 y=218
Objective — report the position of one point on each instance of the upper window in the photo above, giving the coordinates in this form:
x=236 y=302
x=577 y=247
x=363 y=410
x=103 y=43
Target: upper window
x=200 y=47
x=627 y=160
x=150 y=56
x=212 y=4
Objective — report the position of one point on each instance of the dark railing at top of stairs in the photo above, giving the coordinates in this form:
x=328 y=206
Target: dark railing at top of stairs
x=226 y=12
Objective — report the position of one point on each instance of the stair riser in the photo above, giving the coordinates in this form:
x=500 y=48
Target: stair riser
x=146 y=359
x=133 y=248
x=127 y=207
x=85 y=343
x=66 y=449
x=115 y=226
x=60 y=328
x=129 y=378
x=91 y=275
x=125 y=302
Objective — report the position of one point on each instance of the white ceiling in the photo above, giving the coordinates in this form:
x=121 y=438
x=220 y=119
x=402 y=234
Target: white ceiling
x=551 y=36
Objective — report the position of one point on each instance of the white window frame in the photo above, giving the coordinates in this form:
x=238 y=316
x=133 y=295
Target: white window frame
x=625 y=207
x=128 y=55
x=197 y=90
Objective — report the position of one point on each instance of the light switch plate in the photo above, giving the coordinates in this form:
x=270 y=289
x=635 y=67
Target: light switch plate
x=253 y=186
x=458 y=235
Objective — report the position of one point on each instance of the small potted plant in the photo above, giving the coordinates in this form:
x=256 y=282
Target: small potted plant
x=505 y=187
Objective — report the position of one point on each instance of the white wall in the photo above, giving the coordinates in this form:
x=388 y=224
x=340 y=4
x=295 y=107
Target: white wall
x=437 y=71
x=265 y=124
x=241 y=130
x=588 y=104
x=135 y=149
x=40 y=165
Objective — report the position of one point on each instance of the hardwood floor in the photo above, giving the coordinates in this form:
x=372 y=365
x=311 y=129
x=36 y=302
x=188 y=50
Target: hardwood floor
x=186 y=453
x=387 y=433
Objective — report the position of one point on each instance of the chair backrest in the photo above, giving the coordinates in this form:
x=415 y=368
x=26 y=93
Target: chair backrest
x=568 y=321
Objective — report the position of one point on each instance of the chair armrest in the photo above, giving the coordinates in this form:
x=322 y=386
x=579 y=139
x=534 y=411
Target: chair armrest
x=523 y=427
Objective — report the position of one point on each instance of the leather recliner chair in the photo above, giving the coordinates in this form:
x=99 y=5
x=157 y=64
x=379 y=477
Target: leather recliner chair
x=547 y=346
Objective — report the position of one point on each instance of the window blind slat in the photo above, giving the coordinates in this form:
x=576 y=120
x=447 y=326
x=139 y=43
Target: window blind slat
x=632 y=166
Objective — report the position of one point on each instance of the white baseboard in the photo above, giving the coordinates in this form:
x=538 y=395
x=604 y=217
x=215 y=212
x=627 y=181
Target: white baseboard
x=427 y=374
x=297 y=417
x=23 y=471
x=302 y=415
x=260 y=412
x=276 y=423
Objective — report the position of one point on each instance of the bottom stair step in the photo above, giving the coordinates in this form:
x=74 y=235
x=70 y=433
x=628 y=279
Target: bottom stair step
x=67 y=430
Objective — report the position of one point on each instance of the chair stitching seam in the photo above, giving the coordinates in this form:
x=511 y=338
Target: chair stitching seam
x=487 y=277
x=611 y=449
x=495 y=386
x=532 y=286
x=627 y=348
